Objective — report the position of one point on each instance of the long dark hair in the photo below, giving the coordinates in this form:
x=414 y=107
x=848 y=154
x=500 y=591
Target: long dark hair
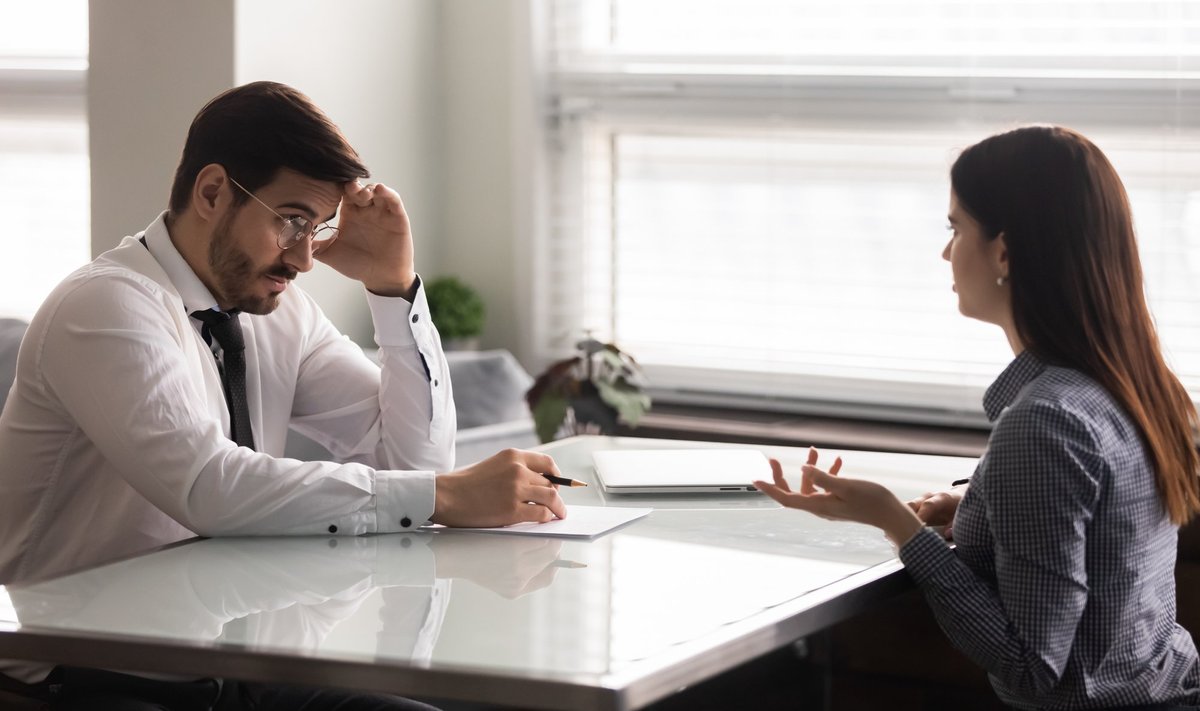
x=1076 y=279
x=254 y=130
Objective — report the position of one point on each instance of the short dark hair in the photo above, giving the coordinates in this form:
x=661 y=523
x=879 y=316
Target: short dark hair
x=255 y=130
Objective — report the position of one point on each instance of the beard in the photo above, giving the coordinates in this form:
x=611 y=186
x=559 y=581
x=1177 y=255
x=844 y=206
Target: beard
x=236 y=276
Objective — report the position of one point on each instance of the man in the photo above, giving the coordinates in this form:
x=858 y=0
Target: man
x=156 y=385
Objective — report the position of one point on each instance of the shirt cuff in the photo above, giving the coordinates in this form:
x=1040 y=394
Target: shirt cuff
x=403 y=500
x=925 y=554
x=398 y=320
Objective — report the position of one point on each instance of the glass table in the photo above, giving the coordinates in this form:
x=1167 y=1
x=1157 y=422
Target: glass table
x=700 y=585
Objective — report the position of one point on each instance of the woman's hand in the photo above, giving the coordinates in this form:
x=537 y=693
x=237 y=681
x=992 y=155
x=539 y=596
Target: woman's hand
x=829 y=496
x=938 y=508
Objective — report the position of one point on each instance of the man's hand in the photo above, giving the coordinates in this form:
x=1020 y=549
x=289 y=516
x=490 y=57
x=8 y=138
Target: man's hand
x=374 y=243
x=827 y=495
x=510 y=566
x=503 y=489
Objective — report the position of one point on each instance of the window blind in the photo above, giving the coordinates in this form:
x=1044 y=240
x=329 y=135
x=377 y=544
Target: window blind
x=44 y=168
x=750 y=197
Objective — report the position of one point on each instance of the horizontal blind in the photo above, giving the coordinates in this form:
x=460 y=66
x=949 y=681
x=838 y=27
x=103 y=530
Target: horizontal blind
x=44 y=168
x=786 y=246
x=1094 y=33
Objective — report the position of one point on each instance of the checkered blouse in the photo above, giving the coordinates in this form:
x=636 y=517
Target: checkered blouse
x=1063 y=587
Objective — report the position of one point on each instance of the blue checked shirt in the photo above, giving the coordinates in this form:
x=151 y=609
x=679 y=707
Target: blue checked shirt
x=1063 y=585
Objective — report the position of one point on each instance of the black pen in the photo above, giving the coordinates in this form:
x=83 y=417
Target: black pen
x=564 y=481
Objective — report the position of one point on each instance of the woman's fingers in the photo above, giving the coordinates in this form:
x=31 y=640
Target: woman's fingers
x=806 y=486
x=777 y=474
x=783 y=496
x=813 y=477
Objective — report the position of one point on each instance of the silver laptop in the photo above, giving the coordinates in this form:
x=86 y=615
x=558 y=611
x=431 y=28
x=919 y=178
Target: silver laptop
x=680 y=471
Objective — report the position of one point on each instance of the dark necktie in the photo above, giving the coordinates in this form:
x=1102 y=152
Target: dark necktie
x=224 y=326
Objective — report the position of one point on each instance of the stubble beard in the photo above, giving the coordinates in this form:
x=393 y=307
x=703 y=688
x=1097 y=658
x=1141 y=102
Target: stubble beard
x=234 y=272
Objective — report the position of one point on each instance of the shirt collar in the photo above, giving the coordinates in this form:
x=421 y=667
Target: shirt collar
x=195 y=295
x=1001 y=393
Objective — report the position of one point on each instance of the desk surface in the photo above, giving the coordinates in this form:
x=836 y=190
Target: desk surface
x=699 y=586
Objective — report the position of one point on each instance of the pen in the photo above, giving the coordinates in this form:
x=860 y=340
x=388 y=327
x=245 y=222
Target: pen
x=564 y=481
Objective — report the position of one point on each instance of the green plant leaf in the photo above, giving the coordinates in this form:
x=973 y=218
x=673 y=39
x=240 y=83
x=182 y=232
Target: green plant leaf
x=614 y=366
x=629 y=403
x=548 y=415
x=633 y=380
x=455 y=308
x=559 y=379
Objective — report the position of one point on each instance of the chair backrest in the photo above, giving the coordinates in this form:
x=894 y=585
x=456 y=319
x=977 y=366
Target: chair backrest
x=1187 y=579
x=1189 y=542
x=11 y=332
x=489 y=387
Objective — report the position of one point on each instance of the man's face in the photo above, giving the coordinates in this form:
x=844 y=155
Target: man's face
x=248 y=270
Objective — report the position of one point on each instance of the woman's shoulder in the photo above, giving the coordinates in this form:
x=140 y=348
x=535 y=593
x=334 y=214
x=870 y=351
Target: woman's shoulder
x=1068 y=388
x=1067 y=405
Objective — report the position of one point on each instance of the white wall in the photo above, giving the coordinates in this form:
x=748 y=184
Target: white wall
x=153 y=64
x=491 y=159
x=372 y=66
x=434 y=94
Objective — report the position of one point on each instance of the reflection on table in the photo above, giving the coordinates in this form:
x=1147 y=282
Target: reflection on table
x=601 y=614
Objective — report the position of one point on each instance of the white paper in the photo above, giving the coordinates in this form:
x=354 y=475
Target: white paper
x=581 y=522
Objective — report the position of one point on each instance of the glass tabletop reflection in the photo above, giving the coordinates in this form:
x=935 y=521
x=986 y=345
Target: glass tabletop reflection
x=525 y=605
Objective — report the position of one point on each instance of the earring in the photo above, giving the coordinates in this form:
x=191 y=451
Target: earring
x=1000 y=281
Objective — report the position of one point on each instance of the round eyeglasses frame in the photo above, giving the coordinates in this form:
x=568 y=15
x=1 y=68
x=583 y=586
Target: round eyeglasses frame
x=296 y=228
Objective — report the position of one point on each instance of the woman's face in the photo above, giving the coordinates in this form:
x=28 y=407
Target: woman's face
x=976 y=263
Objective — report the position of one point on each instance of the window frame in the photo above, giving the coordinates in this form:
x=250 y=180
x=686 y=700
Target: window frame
x=588 y=96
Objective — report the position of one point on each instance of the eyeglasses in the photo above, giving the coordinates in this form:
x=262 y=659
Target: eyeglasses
x=296 y=229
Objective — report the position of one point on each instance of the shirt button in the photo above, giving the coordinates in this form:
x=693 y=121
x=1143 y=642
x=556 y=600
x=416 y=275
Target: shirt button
x=333 y=529
x=406 y=522
x=435 y=382
x=416 y=317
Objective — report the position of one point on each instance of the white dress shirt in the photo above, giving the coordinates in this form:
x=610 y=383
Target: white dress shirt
x=115 y=439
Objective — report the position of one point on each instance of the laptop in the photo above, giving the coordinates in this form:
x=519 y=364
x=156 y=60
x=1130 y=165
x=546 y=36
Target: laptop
x=680 y=471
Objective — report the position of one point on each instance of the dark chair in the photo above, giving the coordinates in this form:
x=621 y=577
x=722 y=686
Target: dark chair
x=1187 y=579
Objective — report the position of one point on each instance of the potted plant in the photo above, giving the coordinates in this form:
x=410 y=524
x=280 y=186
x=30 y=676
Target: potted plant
x=457 y=311
x=590 y=392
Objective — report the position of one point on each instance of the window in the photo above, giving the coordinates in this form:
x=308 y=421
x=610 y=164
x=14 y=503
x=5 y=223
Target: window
x=750 y=195
x=44 y=181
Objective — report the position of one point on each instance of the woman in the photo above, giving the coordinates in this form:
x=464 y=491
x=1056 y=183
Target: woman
x=1063 y=584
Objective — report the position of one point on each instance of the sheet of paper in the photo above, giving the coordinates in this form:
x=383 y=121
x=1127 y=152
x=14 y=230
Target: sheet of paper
x=581 y=522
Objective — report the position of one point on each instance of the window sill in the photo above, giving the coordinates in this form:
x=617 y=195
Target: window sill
x=743 y=426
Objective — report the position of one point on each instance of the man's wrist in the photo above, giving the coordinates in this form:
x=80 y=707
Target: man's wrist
x=443 y=496
x=402 y=288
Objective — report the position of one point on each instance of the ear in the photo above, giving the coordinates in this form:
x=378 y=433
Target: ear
x=210 y=192
x=999 y=255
